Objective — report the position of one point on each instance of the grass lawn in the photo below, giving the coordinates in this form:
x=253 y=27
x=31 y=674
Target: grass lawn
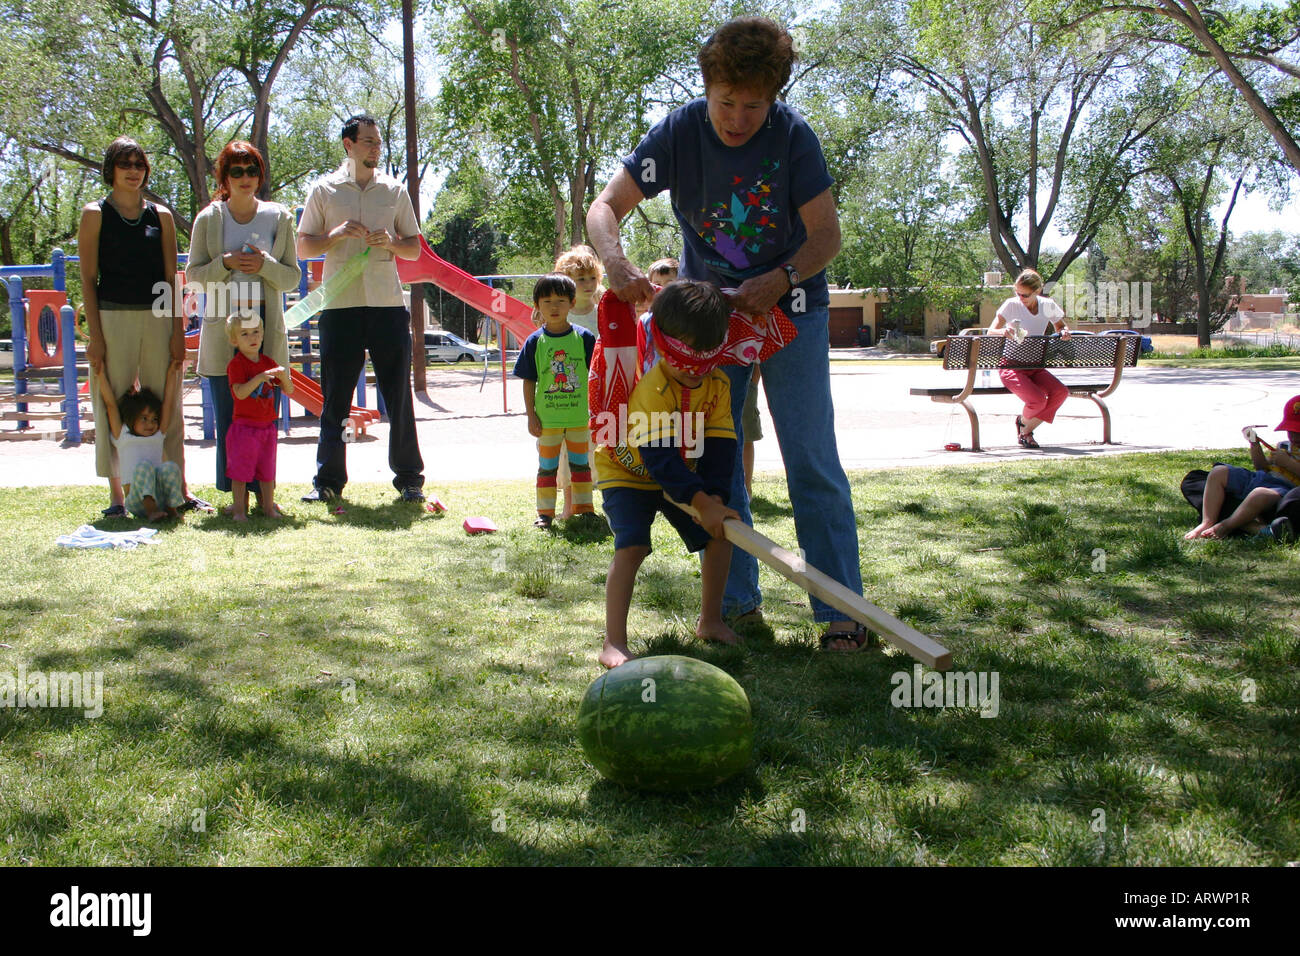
x=376 y=687
x=1273 y=364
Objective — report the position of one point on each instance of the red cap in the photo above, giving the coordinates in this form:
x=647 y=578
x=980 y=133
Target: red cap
x=1290 y=415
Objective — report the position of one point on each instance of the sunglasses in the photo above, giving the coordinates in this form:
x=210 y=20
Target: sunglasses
x=131 y=164
x=239 y=172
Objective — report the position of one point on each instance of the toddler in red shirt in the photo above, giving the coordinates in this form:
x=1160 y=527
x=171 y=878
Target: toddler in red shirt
x=250 y=443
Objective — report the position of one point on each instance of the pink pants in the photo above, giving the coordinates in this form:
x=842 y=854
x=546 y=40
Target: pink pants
x=1040 y=390
x=250 y=451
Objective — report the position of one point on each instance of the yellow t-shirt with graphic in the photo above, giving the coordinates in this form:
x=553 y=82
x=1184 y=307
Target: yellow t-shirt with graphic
x=654 y=418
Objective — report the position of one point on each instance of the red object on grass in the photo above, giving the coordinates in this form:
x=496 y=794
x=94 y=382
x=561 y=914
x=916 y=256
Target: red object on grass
x=435 y=506
x=479 y=525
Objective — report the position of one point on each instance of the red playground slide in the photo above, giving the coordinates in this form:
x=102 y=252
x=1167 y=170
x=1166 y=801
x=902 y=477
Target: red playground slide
x=307 y=393
x=516 y=316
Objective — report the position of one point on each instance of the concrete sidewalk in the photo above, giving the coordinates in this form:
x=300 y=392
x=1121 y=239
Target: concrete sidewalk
x=465 y=435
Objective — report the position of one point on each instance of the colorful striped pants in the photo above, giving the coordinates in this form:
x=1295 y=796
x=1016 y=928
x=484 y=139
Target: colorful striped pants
x=576 y=442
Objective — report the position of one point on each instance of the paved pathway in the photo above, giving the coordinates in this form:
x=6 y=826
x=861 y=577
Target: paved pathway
x=465 y=434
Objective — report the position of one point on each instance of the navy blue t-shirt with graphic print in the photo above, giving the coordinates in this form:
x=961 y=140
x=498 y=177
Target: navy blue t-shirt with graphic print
x=738 y=206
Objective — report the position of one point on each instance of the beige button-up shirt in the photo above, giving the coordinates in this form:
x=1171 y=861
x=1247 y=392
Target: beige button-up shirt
x=383 y=204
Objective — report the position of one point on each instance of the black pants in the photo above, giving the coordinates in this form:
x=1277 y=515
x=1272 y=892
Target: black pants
x=345 y=336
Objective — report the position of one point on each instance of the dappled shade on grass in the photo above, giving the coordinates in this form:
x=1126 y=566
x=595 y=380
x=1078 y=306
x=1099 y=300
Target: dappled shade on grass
x=377 y=688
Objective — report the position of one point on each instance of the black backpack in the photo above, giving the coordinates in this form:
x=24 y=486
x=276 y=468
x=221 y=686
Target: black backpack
x=1193 y=489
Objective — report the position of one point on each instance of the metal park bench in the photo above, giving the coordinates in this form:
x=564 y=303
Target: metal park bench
x=976 y=353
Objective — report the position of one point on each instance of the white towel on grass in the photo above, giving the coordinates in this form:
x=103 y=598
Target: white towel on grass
x=90 y=537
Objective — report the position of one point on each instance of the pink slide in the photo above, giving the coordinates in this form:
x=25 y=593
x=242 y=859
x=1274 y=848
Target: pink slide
x=516 y=316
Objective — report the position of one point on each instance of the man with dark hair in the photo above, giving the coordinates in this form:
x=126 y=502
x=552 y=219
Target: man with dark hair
x=678 y=440
x=352 y=209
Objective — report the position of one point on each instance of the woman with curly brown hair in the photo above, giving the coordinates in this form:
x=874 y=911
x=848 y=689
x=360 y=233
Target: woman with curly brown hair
x=242 y=254
x=752 y=195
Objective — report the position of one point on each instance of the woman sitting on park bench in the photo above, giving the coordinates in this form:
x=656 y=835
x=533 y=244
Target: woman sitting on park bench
x=1028 y=313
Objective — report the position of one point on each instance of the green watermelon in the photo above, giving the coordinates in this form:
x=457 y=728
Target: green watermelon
x=666 y=723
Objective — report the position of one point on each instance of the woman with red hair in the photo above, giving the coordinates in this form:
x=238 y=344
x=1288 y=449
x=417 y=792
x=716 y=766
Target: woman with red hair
x=242 y=254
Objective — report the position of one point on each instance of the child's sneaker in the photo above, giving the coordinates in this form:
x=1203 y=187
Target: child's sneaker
x=544 y=522
x=1280 y=529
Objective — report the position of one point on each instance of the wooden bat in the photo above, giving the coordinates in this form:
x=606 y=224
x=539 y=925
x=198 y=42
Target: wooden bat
x=789 y=565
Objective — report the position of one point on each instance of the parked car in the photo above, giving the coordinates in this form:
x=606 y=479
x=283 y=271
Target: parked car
x=1146 y=340
x=449 y=347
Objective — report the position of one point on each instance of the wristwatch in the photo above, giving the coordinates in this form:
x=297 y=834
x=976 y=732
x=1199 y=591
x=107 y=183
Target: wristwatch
x=792 y=274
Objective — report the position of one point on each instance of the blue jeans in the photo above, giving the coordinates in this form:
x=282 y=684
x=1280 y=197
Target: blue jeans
x=798 y=387
x=223 y=410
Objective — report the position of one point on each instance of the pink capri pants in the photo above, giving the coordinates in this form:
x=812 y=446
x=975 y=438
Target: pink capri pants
x=1040 y=390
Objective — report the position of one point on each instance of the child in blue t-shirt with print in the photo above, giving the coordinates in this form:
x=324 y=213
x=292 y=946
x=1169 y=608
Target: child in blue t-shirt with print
x=553 y=365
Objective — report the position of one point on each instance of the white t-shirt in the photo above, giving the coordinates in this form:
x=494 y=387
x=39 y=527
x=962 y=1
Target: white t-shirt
x=259 y=232
x=133 y=449
x=1048 y=311
x=588 y=320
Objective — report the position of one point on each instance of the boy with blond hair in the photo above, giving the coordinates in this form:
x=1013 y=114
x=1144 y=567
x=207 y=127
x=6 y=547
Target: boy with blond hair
x=582 y=266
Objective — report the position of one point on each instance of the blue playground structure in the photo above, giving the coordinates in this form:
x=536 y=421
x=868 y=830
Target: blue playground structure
x=49 y=370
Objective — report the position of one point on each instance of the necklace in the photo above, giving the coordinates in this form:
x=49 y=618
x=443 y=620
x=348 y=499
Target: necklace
x=129 y=222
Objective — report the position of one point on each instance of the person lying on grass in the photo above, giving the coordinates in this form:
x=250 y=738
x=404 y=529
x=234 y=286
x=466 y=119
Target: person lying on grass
x=154 y=489
x=1260 y=491
x=679 y=440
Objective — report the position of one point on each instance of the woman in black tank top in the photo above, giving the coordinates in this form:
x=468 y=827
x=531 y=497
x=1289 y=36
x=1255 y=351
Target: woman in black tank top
x=127 y=247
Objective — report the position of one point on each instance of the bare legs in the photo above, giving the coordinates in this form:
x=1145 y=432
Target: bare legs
x=621 y=581
x=1257 y=503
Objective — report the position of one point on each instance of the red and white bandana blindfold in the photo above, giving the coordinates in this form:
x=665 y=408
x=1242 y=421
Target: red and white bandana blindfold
x=749 y=339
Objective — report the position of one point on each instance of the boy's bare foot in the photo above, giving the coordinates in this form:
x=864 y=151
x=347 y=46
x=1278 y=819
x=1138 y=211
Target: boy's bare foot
x=612 y=655
x=273 y=511
x=239 y=516
x=1218 y=532
x=157 y=515
x=716 y=631
x=1197 y=532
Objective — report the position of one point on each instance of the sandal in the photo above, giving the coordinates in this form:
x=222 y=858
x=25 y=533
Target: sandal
x=858 y=636
x=197 y=504
x=115 y=511
x=544 y=522
x=1026 y=440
